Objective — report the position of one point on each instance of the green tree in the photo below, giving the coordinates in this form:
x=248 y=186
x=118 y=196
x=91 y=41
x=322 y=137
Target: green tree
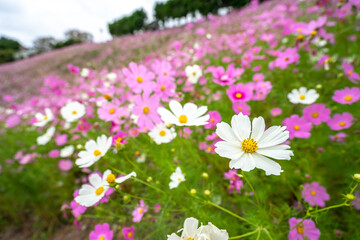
x=128 y=24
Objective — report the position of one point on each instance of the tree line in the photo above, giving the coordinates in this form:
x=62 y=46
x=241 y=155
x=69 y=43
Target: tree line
x=170 y=10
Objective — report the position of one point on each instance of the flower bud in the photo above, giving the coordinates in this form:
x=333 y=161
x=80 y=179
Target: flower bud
x=350 y=197
x=207 y=192
x=357 y=177
x=193 y=191
x=205 y=175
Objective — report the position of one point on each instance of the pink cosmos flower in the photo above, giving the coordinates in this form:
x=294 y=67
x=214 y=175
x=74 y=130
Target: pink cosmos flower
x=215 y=118
x=240 y=92
x=128 y=233
x=297 y=126
x=356 y=202
x=224 y=78
x=290 y=55
x=262 y=89
x=146 y=110
x=316 y=113
x=12 y=121
x=54 y=153
x=119 y=139
x=258 y=77
x=163 y=68
x=110 y=111
x=165 y=88
x=347 y=95
x=65 y=164
x=139 y=78
x=235 y=182
x=306 y=230
x=339 y=137
x=349 y=72
x=341 y=121
x=315 y=194
x=102 y=231
x=139 y=211
x=276 y=111
x=83 y=126
x=157 y=208
x=61 y=139
x=241 y=107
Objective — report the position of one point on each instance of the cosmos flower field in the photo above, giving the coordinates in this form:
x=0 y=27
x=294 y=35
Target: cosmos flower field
x=242 y=126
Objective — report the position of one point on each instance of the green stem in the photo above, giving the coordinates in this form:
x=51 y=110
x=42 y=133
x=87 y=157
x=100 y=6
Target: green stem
x=229 y=212
x=258 y=236
x=252 y=188
x=267 y=233
x=327 y=208
x=244 y=235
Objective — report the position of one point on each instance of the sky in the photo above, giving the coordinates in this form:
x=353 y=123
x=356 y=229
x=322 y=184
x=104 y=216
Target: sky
x=26 y=20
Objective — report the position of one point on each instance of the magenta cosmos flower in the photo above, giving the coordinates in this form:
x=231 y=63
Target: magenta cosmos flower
x=102 y=232
x=339 y=137
x=128 y=233
x=306 y=230
x=224 y=78
x=146 y=110
x=138 y=78
x=297 y=126
x=341 y=121
x=240 y=92
x=349 y=72
x=215 y=118
x=139 y=211
x=315 y=194
x=235 y=182
x=356 y=202
x=119 y=139
x=316 y=113
x=347 y=95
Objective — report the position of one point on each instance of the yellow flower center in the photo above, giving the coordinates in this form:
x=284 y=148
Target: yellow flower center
x=162 y=88
x=194 y=73
x=349 y=73
x=107 y=97
x=190 y=238
x=165 y=73
x=101 y=238
x=209 y=148
x=315 y=115
x=183 y=119
x=100 y=190
x=212 y=120
x=74 y=112
x=249 y=145
x=146 y=110
x=139 y=79
x=300 y=230
x=286 y=58
x=112 y=110
x=302 y=97
x=296 y=127
x=300 y=37
x=238 y=95
x=348 y=98
x=110 y=178
x=341 y=124
x=312 y=193
x=118 y=140
x=97 y=153
x=141 y=210
x=179 y=179
x=162 y=133
x=130 y=234
x=137 y=153
x=313 y=33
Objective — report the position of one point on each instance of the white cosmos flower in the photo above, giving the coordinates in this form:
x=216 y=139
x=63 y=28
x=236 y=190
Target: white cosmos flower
x=161 y=134
x=84 y=72
x=176 y=178
x=67 y=151
x=72 y=111
x=44 y=139
x=111 y=77
x=302 y=95
x=92 y=193
x=41 y=119
x=190 y=230
x=93 y=151
x=189 y=115
x=193 y=73
x=249 y=147
x=210 y=232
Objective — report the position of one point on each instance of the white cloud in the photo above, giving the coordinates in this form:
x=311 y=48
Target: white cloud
x=26 y=20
